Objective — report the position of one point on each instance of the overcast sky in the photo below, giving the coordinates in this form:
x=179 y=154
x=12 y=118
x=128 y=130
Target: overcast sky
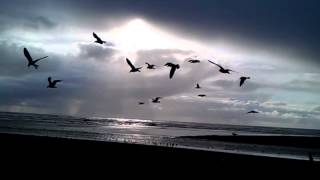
x=275 y=42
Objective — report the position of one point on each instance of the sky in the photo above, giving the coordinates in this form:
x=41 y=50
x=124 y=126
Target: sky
x=275 y=42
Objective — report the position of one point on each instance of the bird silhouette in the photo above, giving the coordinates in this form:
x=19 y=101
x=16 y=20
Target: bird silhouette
x=243 y=79
x=173 y=68
x=197 y=86
x=222 y=70
x=31 y=62
x=52 y=84
x=141 y=103
x=156 y=100
x=202 y=95
x=98 y=39
x=194 y=61
x=252 y=112
x=133 y=68
x=150 y=66
x=234 y=134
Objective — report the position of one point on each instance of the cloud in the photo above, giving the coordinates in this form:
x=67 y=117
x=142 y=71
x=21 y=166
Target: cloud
x=96 y=52
x=317 y=109
x=14 y=63
x=97 y=81
x=39 y=22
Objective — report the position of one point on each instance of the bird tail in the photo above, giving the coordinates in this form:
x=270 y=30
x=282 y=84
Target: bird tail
x=36 y=66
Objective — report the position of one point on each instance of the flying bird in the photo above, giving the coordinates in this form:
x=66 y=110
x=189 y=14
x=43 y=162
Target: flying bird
x=194 y=61
x=156 y=100
x=173 y=68
x=202 y=95
x=252 y=112
x=141 y=103
x=98 y=39
x=243 y=79
x=52 y=84
x=222 y=70
x=133 y=68
x=150 y=66
x=31 y=62
x=197 y=86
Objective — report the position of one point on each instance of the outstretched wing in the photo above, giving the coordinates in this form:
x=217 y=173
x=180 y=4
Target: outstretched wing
x=173 y=69
x=169 y=64
x=130 y=64
x=27 y=54
x=40 y=59
x=216 y=64
x=242 y=81
x=96 y=36
x=56 y=81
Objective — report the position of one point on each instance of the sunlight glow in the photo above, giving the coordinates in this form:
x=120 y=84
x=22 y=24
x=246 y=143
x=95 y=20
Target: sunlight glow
x=138 y=34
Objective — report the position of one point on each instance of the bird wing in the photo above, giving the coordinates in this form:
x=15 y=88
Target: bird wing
x=130 y=64
x=40 y=59
x=169 y=64
x=216 y=64
x=27 y=54
x=173 y=69
x=96 y=36
x=56 y=81
x=242 y=81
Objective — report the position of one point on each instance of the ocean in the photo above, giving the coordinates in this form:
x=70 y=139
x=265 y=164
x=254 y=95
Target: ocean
x=160 y=133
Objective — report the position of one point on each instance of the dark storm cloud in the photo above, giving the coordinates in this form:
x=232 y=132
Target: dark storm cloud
x=291 y=24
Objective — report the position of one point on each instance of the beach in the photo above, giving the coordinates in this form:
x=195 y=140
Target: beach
x=26 y=149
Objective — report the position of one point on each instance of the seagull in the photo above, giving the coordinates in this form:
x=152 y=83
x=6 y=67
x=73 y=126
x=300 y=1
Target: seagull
x=194 y=61
x=252 y=112
x=202 y=95
x=52 y=84
x=243 y=79
x=150 y=66
x=198 y=86
x=141 y=103
x=98 y=40
x=31 y=62
x=222 y=70
x=133 y=69
x=173 y=68
x=156 y=100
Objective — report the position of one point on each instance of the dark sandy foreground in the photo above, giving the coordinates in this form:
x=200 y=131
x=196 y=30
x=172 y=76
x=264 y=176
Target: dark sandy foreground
x=22 y=150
